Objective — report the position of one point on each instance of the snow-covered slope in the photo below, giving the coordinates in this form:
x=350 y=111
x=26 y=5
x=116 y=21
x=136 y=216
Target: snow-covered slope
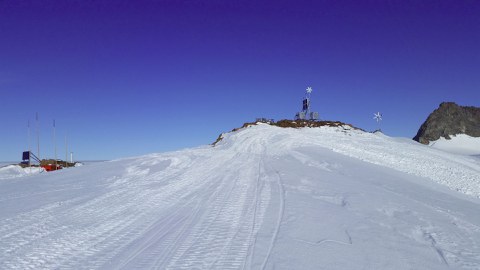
x=263 y=198
x=458 y=144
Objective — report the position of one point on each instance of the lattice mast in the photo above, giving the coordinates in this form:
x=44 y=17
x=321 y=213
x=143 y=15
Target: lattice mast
x=305 y=113
x=378 y=117
x=306 y=100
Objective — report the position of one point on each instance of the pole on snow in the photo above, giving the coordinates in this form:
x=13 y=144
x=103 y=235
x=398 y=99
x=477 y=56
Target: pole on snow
x=38 y=137
x=55 y=143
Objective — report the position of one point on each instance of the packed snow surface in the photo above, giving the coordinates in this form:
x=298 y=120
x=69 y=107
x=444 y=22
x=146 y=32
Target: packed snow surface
x=263 y=198
x=458 y=144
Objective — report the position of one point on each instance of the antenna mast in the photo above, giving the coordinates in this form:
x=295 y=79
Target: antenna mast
x=66 y=151
x=38 y=138
x=28 y=138
x=55 y=143
x=306 y=101
x=378 y=117
x=305 y=113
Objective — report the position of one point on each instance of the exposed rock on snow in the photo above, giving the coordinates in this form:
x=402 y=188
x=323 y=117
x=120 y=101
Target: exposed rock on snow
x=449 y=119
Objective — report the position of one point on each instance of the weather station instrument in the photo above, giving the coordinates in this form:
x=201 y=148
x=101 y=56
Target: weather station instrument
x=378 y=117
x=305 y=113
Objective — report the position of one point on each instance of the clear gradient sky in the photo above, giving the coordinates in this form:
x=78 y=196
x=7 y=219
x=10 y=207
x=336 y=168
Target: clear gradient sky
x=125 y=78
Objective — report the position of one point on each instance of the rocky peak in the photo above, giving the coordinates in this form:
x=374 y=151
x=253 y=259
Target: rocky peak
x=449 y=119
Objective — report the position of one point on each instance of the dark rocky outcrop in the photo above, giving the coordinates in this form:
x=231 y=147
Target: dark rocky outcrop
x=449 y=119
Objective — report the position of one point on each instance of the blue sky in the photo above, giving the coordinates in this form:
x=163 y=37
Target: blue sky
x=125 y=78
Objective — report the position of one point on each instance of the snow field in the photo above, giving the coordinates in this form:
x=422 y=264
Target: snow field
x=459 y=144
x=263 y=198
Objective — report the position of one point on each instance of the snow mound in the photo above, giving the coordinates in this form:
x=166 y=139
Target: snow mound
x=458 y=144
x=13 y=171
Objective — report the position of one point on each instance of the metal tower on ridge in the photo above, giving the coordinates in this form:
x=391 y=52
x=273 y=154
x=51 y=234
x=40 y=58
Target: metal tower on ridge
x=378 y=117
x=305 y=113
x=306 y=100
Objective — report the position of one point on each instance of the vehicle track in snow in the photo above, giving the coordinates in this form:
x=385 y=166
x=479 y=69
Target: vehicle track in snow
x=254 y=229
x=127 y=213
x=281 y=210
x=224 y=234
